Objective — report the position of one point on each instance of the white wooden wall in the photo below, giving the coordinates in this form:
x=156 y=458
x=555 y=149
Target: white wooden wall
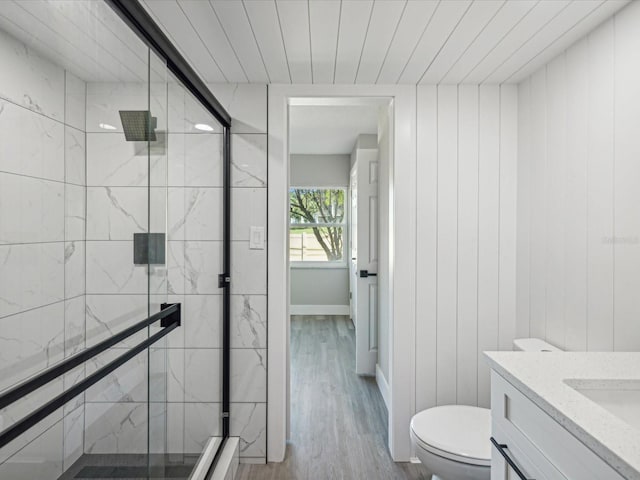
x=578 y=255
x=466 y=237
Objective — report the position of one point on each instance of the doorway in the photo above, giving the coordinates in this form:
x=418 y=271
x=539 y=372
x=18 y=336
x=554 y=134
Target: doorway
x=333 y=189
x=337 y=415
x=400 y=254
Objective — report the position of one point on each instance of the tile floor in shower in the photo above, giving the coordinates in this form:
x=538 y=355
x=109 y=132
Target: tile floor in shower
x=131 y=467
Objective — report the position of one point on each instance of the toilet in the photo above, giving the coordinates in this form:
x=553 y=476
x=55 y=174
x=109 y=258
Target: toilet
x=452 y=441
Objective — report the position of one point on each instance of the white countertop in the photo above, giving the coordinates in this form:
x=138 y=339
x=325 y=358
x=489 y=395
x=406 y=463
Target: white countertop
x=541 y=375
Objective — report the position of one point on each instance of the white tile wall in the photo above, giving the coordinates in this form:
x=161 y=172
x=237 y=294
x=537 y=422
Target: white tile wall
x=203 y=321
x=248 y=321
x=75 y=212
x=249 y=164
x=73 y=431
x=113 y=162
x=82 y=285
x=31 y=81
x=194 y=259
x=41 y=458
x=31 y=210
x=75 y=103
x=42 y=223
x=30 y=144
x=246 y=103
x=74 y=160
x=110 y=268
x=248 y=375
x=115 y=427
x=128 y=383
x=248 y=421
x=33 y=275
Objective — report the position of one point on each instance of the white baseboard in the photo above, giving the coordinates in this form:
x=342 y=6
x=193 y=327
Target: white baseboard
x=319 y=310
x=383 y=386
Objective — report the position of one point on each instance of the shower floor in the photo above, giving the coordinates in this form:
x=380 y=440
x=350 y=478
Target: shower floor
x=131 y=467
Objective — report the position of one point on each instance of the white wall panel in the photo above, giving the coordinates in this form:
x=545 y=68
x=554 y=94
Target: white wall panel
x=466 y=227
x=626 y=181
x=447 y=242
x=467 y=327
x=555 y=181
x=574 y=216
x=426 y=255
x=600 y=189
x=488 y=232
x=508 y=199
x=523 y=213
x=582 y=175
x=538 y=142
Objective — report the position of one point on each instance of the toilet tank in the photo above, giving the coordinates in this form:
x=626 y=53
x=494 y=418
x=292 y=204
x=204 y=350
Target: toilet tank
x=533 y=345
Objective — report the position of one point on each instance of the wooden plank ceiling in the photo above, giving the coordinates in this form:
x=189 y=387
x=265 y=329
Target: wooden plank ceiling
x=375 y=41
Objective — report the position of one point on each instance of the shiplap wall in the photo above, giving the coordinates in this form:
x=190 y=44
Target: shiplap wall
x=578 y=258
x=465 y=301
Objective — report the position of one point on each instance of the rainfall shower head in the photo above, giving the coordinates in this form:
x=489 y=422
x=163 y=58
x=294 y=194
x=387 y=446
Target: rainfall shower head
x=138 y=125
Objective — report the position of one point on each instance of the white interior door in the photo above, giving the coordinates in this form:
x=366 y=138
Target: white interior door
x=364 y=258
x=353 y=242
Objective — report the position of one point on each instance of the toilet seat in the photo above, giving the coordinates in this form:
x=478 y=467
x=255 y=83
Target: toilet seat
x=456 y=432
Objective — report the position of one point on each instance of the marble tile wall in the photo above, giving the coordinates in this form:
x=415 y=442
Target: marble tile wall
x=247 y=105
x=185 y=394
x=71 y=197
x=120 y=204
x=195 y=259
x=42 y=251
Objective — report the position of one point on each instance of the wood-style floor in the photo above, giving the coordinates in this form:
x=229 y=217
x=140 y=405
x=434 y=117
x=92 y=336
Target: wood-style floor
x=338 y=419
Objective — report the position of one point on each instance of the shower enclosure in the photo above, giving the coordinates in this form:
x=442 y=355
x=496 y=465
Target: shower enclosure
x=114 y=248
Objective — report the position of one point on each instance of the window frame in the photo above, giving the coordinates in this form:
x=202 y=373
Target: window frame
x=344 y=224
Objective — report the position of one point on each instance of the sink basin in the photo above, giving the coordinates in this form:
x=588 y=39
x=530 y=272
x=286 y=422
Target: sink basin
x=619 y=397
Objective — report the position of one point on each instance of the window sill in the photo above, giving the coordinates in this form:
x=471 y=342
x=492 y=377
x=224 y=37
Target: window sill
x=317 y=265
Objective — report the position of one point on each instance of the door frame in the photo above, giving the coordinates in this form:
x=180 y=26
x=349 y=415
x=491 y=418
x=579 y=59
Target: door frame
x=402 y=257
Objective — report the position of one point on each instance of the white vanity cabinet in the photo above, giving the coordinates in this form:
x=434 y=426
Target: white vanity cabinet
x=538 y=446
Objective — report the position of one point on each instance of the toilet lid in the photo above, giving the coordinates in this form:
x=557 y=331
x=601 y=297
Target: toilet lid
x=458 y=432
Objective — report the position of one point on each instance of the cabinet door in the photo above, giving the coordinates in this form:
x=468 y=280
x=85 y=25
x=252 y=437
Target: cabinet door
x=529 y=460
x=533 y=430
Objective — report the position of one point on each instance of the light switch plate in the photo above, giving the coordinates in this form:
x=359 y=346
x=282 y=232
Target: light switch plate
x=256 y=238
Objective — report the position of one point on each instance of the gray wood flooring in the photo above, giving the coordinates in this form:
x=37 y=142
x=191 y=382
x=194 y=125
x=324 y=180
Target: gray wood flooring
x=338 y=419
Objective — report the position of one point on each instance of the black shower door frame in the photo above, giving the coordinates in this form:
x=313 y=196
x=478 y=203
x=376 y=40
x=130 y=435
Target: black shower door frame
x=136 y=17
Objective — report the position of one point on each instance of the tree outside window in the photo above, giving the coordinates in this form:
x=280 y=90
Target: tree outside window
x=317 y=224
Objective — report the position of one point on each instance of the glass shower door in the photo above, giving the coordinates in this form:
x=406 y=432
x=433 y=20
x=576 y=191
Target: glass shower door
x=111 y=210
x=195 y=202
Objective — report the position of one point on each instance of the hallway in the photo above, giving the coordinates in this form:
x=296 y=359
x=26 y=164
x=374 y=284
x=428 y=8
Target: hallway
x=338 y=419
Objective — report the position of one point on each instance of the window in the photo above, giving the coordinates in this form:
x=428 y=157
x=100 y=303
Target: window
x=317 y=225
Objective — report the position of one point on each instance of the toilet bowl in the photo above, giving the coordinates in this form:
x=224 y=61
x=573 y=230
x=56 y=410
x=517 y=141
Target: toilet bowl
x=452 y=441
